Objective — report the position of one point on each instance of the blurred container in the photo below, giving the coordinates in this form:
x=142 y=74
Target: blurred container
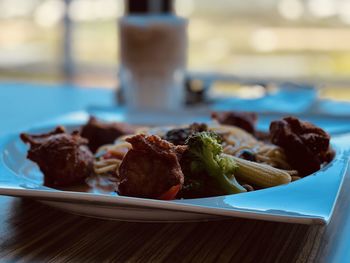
x=153 y=53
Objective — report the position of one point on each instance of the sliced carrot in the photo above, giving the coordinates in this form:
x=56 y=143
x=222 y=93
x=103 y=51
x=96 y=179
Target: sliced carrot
x=171 y=193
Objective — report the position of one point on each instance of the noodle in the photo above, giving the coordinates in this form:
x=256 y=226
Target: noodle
x=106 y=169
x=103 y=166
x=236 y=140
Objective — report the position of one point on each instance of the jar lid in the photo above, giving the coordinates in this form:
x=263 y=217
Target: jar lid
x=149 y=6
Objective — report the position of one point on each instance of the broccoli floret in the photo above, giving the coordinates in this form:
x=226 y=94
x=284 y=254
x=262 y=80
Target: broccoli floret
x=205 y=152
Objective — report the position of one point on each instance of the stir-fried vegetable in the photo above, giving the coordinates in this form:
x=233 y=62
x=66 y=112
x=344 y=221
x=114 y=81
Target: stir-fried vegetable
x=205 y=153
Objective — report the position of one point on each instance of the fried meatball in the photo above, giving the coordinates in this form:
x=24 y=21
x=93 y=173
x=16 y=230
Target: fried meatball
x=243 y=120
x=99 y=133
x=306 y=146
x=150 y=168
x=63 y=158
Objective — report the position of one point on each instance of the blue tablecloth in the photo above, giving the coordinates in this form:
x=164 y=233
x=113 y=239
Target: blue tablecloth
x=21 y=105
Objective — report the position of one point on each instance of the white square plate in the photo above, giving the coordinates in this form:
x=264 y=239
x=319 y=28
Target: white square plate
x=309 y=201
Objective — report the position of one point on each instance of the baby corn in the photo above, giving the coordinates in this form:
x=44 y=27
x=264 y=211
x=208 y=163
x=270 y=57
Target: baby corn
x=260 y=174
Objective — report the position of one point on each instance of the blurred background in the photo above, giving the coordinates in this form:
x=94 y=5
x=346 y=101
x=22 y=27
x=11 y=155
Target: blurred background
x=53 y=41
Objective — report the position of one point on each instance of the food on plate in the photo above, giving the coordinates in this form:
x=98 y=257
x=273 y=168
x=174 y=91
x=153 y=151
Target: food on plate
x=63 y=158
x=306 y=146
x=239 y=143
x=151 y=168
x=178 y=136
x=243 y=120
x=99 y=133
x=204 y=160
x=261 y=175
x=190 y=161
x=218 y=160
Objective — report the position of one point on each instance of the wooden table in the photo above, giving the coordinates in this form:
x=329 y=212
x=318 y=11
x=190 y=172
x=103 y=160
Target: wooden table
x=33 y=232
